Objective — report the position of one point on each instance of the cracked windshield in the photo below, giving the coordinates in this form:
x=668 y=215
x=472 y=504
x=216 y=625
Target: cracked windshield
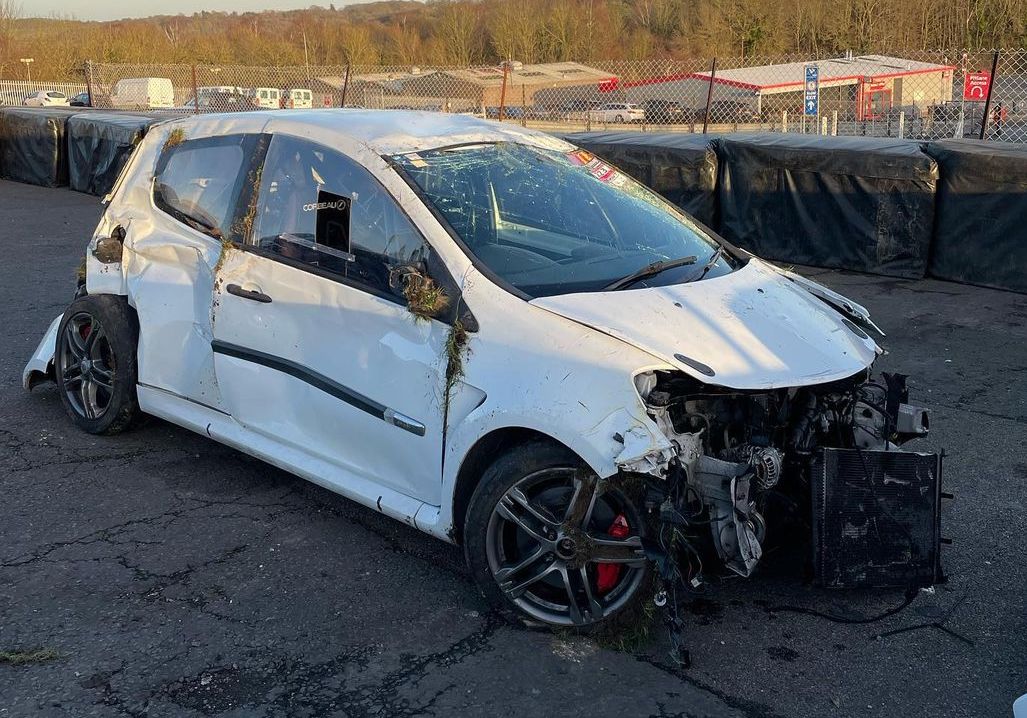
x=550 y=222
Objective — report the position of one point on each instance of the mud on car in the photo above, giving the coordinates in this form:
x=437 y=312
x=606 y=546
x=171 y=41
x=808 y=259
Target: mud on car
x=481 y=331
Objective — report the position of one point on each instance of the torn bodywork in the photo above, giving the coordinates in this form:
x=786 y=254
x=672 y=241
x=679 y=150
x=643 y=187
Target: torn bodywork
x=742 y=460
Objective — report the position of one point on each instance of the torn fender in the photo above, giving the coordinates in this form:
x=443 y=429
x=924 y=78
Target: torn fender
x=40 y=364
x=634 y=444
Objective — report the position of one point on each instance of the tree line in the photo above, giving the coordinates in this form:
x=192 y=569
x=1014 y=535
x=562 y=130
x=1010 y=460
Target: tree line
x=465 y=32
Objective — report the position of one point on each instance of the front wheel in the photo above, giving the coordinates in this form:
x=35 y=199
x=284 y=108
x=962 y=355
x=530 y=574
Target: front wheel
x=549 y=543
x=95 y=363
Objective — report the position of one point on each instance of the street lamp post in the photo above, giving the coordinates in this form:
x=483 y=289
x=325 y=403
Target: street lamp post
x=28 y=66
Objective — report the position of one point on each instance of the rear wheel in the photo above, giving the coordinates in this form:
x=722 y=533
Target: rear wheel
x=549 y=543
x=619 y=118
x=95 y=363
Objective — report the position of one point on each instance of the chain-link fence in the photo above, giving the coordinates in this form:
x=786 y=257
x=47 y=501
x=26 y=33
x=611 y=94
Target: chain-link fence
x=916 y=94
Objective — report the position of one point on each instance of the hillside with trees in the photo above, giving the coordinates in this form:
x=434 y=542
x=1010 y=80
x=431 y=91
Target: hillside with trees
x=460 y=32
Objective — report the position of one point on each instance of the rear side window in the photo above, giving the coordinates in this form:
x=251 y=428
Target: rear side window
x=198 y=182
x=320 y=208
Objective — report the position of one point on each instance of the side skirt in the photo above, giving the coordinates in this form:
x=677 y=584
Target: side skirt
x=224 y=429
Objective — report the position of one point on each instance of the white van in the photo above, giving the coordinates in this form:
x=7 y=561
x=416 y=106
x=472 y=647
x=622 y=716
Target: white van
x=299 y=99
x=141 y=93
x=266 y=97
x=206 y=90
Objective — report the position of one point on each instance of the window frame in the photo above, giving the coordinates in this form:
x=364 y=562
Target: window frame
x=248 y=141
x=437 y=269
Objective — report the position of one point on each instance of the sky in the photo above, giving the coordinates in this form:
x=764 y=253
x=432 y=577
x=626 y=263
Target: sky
x=116 y=9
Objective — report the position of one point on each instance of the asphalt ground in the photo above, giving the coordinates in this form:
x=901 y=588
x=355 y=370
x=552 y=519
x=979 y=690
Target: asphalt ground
x=162 y=574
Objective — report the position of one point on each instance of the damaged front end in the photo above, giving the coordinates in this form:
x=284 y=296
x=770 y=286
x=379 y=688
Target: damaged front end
x=821 y=464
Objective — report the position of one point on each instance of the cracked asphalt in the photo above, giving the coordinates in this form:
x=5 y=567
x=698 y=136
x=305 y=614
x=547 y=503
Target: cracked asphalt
x=176 y=577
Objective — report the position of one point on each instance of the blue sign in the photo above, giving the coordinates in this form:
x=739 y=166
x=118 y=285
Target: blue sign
x=811 y=96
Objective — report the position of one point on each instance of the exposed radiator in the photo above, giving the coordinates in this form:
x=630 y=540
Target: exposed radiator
x=876 y=518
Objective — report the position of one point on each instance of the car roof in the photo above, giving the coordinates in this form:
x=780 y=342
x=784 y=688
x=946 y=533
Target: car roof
x=384 y=131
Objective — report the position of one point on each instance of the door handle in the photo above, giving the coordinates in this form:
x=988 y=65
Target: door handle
x=252 y=294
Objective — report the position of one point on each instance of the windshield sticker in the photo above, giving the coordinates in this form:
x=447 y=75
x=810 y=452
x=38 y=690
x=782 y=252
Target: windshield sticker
x=580 y=157
x=415 y=159
x=596 y=167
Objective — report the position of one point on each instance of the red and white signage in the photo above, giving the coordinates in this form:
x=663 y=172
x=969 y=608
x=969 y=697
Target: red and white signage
x=975 y=86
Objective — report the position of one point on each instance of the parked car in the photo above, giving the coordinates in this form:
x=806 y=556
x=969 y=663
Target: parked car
x=617 y=112
x=81 y=100
x=492 y=335
x=46 y=98
x=515 y=112
x=666 y=112
x=212 y=101
x=576 y=110
x=143 y=93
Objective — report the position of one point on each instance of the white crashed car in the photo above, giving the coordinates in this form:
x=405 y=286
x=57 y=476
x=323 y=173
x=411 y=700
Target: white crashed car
x=473 y=328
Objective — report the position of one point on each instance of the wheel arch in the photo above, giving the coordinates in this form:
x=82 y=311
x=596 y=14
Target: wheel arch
x=480 y=456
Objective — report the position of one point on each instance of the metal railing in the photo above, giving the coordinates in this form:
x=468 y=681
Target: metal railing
x=910 y=94
x=14 y=92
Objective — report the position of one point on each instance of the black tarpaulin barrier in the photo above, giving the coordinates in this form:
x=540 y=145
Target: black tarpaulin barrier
x=980 y=230
x=680 y=167
x=32 y=145
x=863 y=204
x=99 y=144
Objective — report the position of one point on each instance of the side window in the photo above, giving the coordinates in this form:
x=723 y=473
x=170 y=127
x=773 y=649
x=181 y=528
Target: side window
x=198 y=182
x=319 y=207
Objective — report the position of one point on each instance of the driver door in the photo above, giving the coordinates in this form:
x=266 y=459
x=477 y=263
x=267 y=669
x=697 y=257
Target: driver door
x=314 y=346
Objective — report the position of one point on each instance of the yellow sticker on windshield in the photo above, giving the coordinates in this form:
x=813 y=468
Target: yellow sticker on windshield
x=580 y=157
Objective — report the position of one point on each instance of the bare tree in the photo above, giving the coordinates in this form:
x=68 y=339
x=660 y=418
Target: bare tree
x=9 y=12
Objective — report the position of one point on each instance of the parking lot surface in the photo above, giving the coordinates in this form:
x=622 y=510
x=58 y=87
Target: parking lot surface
x=162 y=574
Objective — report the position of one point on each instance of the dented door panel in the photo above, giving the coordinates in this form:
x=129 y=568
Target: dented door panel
x=348 y=376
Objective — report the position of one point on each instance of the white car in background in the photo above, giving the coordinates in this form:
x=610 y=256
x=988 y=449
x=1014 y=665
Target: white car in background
x=477 y=329
x=620 y=112
x=47 y=98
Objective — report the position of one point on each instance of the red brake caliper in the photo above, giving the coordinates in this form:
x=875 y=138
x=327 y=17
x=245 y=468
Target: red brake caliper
x=607 y=574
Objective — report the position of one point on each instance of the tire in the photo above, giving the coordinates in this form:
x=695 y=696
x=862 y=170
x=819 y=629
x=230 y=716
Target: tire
x=619 y=118
x=533 y=549
x=95 y=363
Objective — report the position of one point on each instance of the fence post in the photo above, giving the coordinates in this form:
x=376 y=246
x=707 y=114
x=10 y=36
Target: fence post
x=987 y=102
x=524 y=107
x=709 y=96
x=823 y=125
x=784 y=120
x=89 y=82
x=502 y=92
x=834 y=123
x=196 y=98
x=345 y=86
x=902 y=124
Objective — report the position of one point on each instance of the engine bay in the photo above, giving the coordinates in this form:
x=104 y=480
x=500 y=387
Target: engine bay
x=742 y=476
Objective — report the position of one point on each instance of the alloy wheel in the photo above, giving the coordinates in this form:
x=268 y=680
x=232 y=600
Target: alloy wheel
x=86 y=364
x=566 y=547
